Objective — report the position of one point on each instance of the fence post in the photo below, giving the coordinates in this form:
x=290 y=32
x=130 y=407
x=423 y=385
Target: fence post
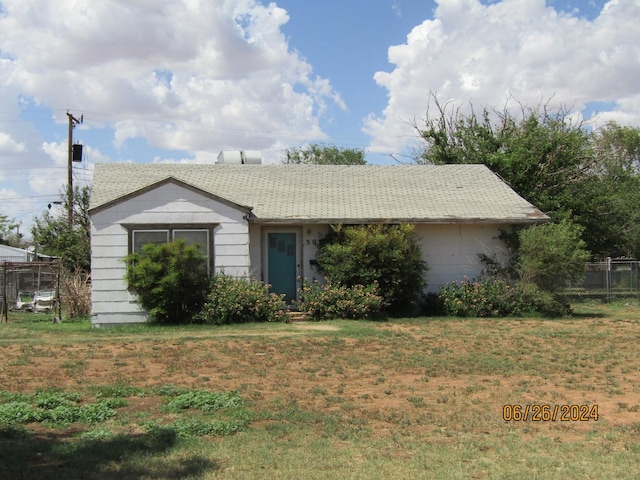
x=609 y=281
x=5 y=302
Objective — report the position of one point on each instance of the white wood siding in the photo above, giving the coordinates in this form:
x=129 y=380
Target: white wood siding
x=452 y=251
x=167 y=204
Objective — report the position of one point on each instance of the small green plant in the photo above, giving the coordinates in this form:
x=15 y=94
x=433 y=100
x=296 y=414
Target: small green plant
x=327 y=301
x=56 y=408
x=118 y=391
x=170 y=281
x=98 y=412
x=417 y=402
x=204 y=401
x=48 y=399
x=233 y=300
x=12 y=413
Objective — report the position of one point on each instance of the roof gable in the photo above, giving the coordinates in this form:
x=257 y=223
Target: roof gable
x=332 y=193
x=152 y=186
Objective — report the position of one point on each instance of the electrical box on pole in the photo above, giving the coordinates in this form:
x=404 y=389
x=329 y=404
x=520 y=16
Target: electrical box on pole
x=76 y=152
x=73 y=121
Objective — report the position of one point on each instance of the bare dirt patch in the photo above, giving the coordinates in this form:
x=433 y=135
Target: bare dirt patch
x=445 y=378
x=318 y=327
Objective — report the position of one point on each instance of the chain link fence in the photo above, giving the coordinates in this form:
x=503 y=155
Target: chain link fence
x=608 y=280
x=30 y=286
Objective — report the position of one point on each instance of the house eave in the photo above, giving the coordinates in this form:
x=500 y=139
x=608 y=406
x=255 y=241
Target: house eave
x=440 y=220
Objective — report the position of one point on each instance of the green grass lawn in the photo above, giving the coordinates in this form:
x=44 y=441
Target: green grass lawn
x=406 y=398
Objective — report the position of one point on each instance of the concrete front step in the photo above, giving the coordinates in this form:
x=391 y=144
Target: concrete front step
x=296 y=317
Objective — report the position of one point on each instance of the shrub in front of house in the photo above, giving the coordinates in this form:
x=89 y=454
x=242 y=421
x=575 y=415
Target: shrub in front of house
x=551 y=254
x=328 y=301
x=486 y=298
x=495 y=298
x=386 y=254
x=548 y=304
x=170 y=281
x=234 y=300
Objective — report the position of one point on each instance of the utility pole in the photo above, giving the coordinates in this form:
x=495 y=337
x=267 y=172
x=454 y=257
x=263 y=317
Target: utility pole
x=73 y=121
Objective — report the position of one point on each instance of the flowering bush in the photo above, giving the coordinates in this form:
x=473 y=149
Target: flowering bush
x=489 y=298
x=232 y=300
x=496 y=298
x=324 y=302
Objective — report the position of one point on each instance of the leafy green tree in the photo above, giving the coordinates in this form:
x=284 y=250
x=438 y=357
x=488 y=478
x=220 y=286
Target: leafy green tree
x=607 y=201
x=170 y=281
x=384 y=254
x=7 y=237
x=53 y=235
x=538 y=153
x=617 y=149
x=324 y=155
x=552 y=253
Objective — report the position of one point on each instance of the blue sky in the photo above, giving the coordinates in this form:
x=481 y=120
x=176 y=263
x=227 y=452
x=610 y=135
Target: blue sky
x=180 y=80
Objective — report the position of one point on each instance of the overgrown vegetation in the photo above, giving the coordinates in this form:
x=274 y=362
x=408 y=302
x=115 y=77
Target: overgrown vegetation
x=170 y=281
x=232 y=300
x=542 y=258
x=490 y=297
x=76 y=293
x=325 y=301
x=552 y=254
x=388 y=255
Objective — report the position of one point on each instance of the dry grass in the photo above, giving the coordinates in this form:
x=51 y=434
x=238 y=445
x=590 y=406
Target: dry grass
x=413 y=399
x=76 y=291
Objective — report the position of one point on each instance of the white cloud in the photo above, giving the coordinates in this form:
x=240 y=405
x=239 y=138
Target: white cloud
x=488 y=53
x=192 y=73
x=8 y=145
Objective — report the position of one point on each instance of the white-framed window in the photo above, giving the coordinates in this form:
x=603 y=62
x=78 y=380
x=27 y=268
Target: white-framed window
x=201 y=236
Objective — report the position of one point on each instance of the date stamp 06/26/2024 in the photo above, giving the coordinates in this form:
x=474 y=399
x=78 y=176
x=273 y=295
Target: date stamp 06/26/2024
x=550 y=413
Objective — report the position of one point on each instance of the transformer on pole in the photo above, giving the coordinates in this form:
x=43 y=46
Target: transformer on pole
x=75 y=155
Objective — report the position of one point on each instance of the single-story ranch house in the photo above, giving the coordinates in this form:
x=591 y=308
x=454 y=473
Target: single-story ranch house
x=264 y=221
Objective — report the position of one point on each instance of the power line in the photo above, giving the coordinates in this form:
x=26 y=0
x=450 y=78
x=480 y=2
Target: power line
x=23 y=198
x=201 y=128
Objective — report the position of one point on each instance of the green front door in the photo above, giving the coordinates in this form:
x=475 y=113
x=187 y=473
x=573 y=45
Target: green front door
x=282 y=264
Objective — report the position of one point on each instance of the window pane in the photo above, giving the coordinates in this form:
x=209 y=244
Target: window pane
x=142 y=237
x=200 y=238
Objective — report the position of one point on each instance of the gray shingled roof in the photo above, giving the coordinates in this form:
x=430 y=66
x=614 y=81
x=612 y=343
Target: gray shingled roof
x=327 y=193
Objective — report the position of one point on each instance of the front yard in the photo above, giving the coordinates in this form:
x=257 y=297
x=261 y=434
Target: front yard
x=418 y=398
